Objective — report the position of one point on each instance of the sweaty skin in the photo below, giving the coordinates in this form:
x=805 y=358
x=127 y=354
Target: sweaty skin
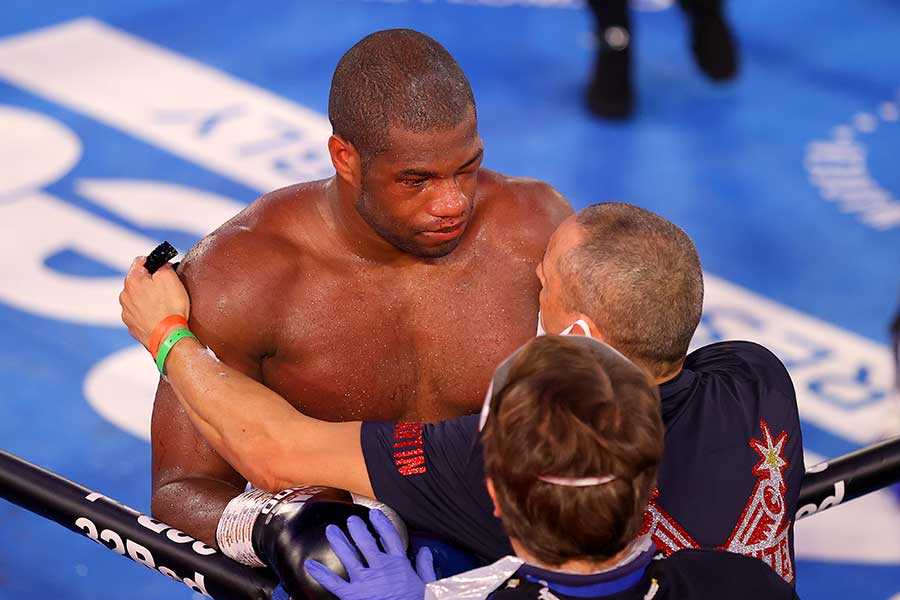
x=300 y=295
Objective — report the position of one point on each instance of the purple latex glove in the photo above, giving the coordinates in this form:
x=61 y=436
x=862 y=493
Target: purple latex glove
x=389 y=576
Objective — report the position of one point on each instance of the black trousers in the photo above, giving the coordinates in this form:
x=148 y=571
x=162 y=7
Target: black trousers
x=614 y=13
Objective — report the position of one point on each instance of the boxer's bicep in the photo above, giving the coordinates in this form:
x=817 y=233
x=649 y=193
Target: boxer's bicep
x=229 y=312
x=191 y=483
x=179 y=451
x=188 y=475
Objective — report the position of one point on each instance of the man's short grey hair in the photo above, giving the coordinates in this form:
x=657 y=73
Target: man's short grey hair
x=638 y=277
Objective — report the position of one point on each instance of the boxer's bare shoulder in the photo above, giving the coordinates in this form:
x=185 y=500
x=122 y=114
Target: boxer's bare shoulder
x=527 y=210
x=273 y=223
x=236 y=273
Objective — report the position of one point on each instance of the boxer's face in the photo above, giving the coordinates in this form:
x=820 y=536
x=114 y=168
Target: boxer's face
x=419 y=193
x=555 y=315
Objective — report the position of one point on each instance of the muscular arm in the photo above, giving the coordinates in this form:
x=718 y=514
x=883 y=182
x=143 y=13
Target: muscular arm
x=192 y=482
x=256 y=431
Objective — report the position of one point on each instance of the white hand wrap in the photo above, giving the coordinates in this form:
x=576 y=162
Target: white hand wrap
x=234 y=533
x=235 y=530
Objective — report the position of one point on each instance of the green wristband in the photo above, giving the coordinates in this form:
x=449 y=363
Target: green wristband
x=164 y=348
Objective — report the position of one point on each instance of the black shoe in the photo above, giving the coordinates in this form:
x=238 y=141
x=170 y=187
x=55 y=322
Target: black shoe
x=609 y=94
x=714 y=48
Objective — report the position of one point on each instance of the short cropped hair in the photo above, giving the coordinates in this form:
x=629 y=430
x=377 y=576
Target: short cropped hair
x=397 y=77
x=572 y=410
x=638 y=277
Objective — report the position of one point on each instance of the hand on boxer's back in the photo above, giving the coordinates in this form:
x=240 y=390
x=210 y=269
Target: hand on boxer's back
x=389 y=575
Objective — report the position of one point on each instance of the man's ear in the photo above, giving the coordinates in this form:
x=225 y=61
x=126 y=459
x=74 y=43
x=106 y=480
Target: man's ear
x=346 y=161
x=493 y=495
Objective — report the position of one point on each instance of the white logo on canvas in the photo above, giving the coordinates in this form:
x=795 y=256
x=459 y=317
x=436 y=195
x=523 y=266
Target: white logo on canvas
x=44 y=225
x=254 y=137
x=839 y=169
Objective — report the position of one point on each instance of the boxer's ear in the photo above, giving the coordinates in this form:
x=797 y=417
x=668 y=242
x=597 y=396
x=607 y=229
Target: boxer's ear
x=493 y=495
x=346 y=161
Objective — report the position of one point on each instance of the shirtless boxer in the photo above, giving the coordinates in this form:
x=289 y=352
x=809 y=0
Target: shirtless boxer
x=733 y=465
x=389 y=291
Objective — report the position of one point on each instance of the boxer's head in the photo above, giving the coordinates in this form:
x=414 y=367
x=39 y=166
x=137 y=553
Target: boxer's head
x=572 y=444
x=632 y=275
x=406 y=139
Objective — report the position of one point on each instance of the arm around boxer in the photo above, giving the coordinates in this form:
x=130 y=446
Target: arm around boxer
x=250 y=426
x=191 y=482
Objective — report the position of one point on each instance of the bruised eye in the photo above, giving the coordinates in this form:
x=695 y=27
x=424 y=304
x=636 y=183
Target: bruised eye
x=414 y=183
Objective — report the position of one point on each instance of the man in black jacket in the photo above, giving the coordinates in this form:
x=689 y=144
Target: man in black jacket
x=572 y=437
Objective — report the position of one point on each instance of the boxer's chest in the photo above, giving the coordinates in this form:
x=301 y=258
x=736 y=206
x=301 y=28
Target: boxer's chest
x=376 y=347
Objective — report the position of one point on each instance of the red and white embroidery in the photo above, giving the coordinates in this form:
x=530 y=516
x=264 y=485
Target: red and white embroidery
x=762 y=530
x=668 y=535
x=409 y=452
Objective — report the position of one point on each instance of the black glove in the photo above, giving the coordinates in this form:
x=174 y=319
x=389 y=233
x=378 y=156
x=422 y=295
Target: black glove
x=288 y=528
